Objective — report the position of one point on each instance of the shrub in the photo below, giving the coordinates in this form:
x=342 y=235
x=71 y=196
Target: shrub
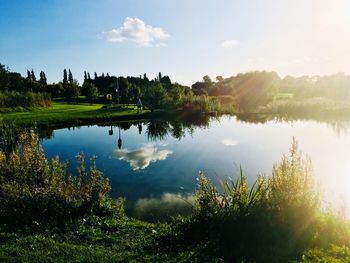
x=276 y=219
x=25 y=100
x=34 y=191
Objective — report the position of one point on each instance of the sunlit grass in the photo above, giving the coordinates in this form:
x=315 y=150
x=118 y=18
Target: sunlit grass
x=65 y=112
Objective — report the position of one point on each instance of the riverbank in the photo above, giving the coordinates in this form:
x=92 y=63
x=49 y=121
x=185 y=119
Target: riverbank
x=123 y=241
x=66 y=114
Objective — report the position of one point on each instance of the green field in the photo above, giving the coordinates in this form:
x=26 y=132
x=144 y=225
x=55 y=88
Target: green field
x=122 y=241
x=63 y=113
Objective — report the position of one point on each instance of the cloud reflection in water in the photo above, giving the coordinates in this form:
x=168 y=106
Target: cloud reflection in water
x=229 y=142
x=164 y=208
x=142 y=157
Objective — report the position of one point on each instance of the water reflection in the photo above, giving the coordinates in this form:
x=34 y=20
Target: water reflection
x=229 y=142
x=169 y=205
x=141 y=158
x=119 y=139
x=166 y=154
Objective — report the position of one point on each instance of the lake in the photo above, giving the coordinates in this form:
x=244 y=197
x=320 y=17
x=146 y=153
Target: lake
x=154 y=164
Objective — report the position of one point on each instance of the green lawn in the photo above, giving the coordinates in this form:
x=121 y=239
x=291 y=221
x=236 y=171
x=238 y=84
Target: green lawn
x=64 y=113
x=124 y=240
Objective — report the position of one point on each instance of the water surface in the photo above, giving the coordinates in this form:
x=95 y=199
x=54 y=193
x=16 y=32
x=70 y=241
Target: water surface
x=155 y=164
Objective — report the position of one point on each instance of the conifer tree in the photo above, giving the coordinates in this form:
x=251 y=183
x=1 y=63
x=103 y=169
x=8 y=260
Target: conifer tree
x=33 y=75
x=43 y=79
x=29 y=76
x=70 y=76
x=65 y=78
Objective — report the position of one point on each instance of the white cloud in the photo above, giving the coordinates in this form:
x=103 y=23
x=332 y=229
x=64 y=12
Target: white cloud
x=230 y=43
x=142 y=157
x=229 y=142
x=135 y=30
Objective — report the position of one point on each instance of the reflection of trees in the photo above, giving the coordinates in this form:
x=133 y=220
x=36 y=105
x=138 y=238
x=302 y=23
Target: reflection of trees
x=125 y=125
x=10 y=135
x=157 y=129
x=340 y=127
x=177 y=130
x=177 y=127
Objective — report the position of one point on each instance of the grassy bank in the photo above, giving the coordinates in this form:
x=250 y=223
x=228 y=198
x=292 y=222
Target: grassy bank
x=102 y=241
x=72 y=114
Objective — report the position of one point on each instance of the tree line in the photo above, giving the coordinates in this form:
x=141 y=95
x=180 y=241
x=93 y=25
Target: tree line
x=247 y=91
x=253 y=89
x=153 y=93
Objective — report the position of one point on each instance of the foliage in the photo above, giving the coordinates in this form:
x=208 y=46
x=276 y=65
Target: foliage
x=34 y=191
x=90 y=91
x=25 y=100
x=56 y=89
x=307 y=107
x=71 y=89
x=154 y=96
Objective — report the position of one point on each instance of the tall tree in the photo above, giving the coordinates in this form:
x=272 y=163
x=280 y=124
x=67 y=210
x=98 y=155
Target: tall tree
x=43 y=79
x=160 y=76
x=29 y=76
x=90 y=91
x=88 y=76
x=95 y=76
x=85 y=76
x=70 y=76
x=65 y=76
x=33 y=75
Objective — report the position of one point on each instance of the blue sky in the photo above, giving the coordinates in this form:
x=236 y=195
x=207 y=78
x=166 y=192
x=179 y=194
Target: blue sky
x=185 y=39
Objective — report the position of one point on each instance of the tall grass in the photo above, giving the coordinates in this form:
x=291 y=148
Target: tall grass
x=307 y=107
x=219 y=104
x=34 y=191
x=25 y=100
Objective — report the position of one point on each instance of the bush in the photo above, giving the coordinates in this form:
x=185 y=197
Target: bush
x=34 y=191
x=25 y=100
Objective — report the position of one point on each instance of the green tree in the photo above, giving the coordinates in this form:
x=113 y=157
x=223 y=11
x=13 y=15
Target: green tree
x=43 y=79
x=33 y=78
x=3 y=78
x=65 y=76
x=154 y=96
x=176 y=93
x=90 y=91
x=29 y=76
x=71 y=90
x=70 y=77
x=56 y=90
